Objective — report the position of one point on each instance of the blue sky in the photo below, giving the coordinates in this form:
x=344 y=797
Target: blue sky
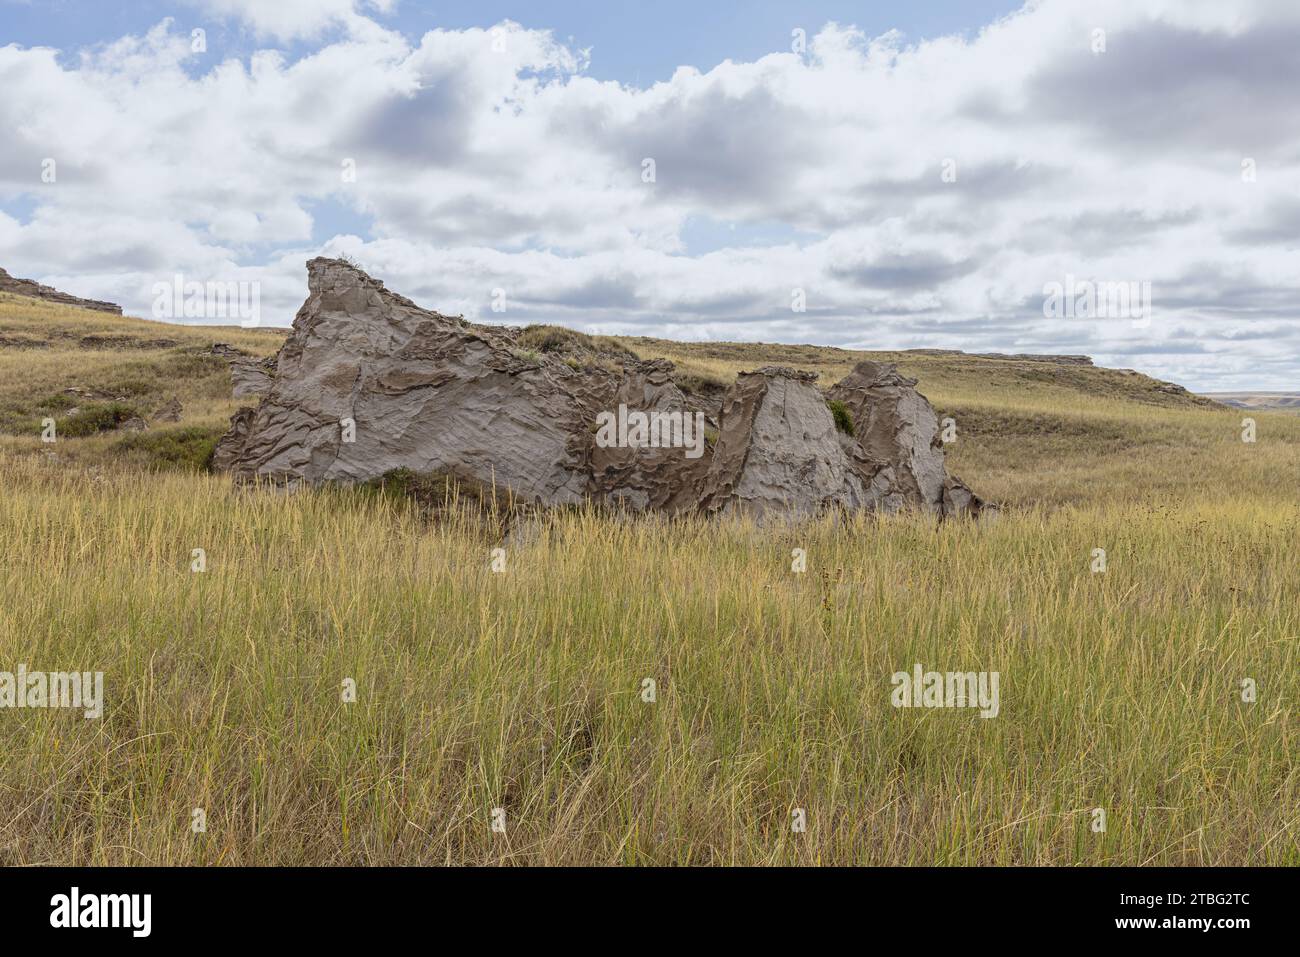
x=636 y=43
x=919 y=176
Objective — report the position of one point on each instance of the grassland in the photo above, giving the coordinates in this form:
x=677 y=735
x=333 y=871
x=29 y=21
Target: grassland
x=120 y=367
x=524 y=689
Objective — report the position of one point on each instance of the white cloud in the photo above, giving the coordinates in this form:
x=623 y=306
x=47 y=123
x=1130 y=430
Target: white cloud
x=487 y=158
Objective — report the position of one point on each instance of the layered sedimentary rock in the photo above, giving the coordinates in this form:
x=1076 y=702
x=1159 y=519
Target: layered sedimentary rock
x=249 y=376
x=896 y=446
x=1009 y=357
x=779 y=450
x=27 y=287
x=368 y=382
x=662 y=475
x=782 y=452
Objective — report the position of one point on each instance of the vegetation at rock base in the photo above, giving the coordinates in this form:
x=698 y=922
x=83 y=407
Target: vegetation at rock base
x=188 y=448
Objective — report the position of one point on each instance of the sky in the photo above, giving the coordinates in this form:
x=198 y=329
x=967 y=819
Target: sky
x=876 y=175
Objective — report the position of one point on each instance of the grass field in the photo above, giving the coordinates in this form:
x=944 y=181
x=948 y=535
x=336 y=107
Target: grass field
x=525 y=690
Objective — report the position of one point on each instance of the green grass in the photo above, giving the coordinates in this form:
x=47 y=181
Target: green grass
x=842 y=416
x=112 y=362
x=186 y=448
x=95 y=417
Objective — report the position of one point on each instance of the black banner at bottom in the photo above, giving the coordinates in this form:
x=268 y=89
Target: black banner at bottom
x=137 y=906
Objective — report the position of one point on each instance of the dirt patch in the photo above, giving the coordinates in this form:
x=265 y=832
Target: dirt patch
x=112 y=341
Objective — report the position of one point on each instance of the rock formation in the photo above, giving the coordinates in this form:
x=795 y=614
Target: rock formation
x=170 y=412
x=369 y=382
x=896 y=442
x=779 y=450
x=34 y=290
x=250 y=376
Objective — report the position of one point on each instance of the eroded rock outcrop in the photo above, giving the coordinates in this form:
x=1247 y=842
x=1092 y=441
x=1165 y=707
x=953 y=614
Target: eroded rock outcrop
x=369 y=382
x=34 y=290
x=1060 y=360
x=250 y=376
x=779 y=450
x=895 y=447
x=663 y=476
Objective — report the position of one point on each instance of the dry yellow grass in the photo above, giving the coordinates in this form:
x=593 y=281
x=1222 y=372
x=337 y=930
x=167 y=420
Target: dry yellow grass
x=135 y=364
x=524 y=689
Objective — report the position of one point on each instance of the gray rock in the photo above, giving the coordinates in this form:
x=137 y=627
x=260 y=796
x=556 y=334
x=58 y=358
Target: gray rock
x=663 y=478
x=368 y=382
x=896 y=447
x=895 y=429
x=779 y=452
x=170 y=412
x=250 y=376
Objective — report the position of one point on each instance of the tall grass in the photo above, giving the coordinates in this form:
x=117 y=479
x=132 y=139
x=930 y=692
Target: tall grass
x=524 y=689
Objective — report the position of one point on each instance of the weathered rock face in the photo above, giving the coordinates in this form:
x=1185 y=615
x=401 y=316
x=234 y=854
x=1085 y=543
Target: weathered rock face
x=664 y=477
x=779 y=451
x=1009 y=357
x=26 y=287
x=896 y=444
x=250 y=376
x=895 y=434
x=369 y=382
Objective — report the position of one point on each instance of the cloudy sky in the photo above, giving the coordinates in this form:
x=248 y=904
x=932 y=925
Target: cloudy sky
x=918 y=172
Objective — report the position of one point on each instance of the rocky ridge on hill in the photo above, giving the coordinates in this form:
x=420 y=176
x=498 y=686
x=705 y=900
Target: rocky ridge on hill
x=34 y=290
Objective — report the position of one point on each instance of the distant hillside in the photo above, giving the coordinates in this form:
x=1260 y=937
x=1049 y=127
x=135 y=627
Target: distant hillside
x=1262 y=401
x=95 y=372
x=944 y=375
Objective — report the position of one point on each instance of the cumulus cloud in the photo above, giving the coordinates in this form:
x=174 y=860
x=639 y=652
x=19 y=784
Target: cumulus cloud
x=930 y=191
